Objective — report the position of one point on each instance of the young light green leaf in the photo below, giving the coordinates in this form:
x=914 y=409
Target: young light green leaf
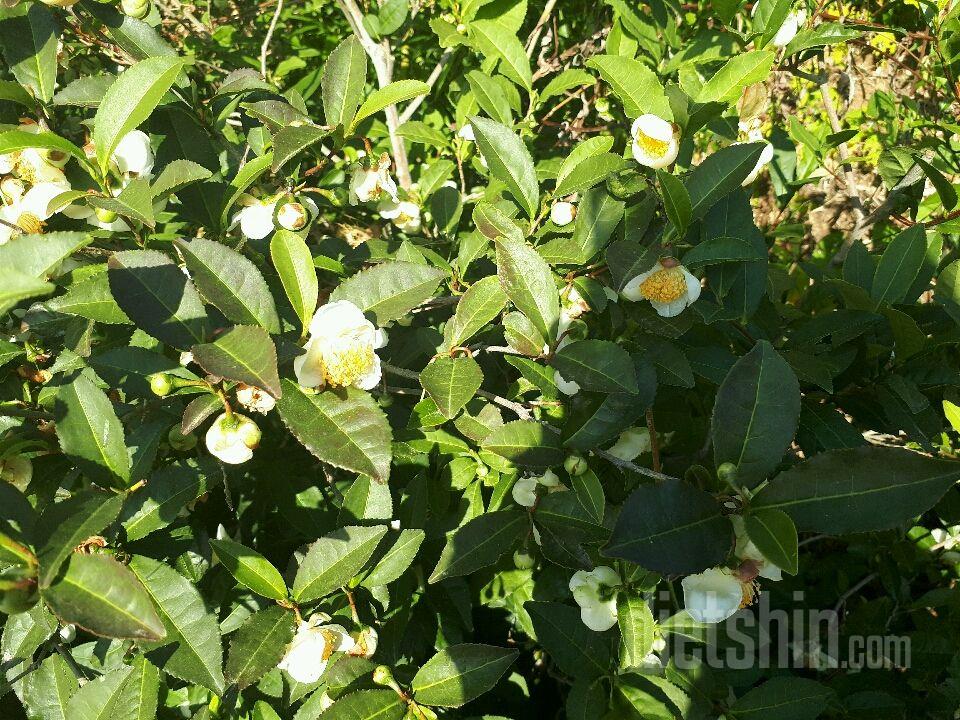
x=636 y=629
x=739 y=71
x=334 y=559
x=496 y=40
x=250 y=568
x=130 y=100
x=294 y=263
x=479 y=305
x=29 y=43
x=391 y=94
x=634 y=83
x=509 y=161
x=459 y=673
x=396 y=560
x=342 y=82
x=390 y=290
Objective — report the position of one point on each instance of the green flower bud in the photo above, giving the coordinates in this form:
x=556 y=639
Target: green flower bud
x=161 y=384
x=523 y=560
x=575 y=465
x=727 y=473
x=138 y=9
x=105 y=216
x=383 y=676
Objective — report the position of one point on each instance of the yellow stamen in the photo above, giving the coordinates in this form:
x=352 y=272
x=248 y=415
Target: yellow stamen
x=344 y=368
x=751 y=591
x=650 y=145
x=665 y=285
x=30 y=223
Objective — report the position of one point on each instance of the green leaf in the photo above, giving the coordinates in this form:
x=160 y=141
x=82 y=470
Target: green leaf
x=496 y=40
x=576 y=649
x=789 y=698
x=13 y=140
x=100 y=595
x=41 y=255
x=346 y=428
x=597 y=365
x=245 y=177
x=858 y=489
x=48 y=689
x=768 y=17
x=396 y=92
x=29 y=45
x=176 y=176
x=720 y=250
x=479 y=305
x=157 y=297
x=341 y=86
x=509 y=161
x=479 y=543
x=492 y=222
x=676 y=201
x=720 y=174
x=127 y=693
x=130 y=100
x=755 y=414
x=527 y=280
x=392 y=15
x=334 y=559
x=899 y=265
x=490 y=97
x=250 y=568
x=292 y=140
x=367 y=705
x=459 y=673
x=244 y=353
x=831 y=33
x=16 y=287
x=775 y=536
x=90 y=433
x=232 y=282
x=159 y=502
x=135 y=37
x=11 y=91
x=92 y=299
x=526 y=443
x=589 y=172
x=259 y=645
x=396 y=560
x=71 y=522
x=390 y=290
x=671 y=527
x=135 y=202
x=294 y=263
x=598 y=215
x=451 y=382
x=192 y=649
x=634 y=83
x=739 y=71
x=636 y=628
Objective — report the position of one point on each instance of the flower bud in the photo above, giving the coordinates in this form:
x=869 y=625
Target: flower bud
x=137 y=9
x=383 y=676
x=161 y=384
x=180 y=441
x=563 y=213
x=575 y=465
x=482 y=470
x=17 y=470
x=293 y=216
x=523 y=560
x=105 y=216
x=68 y=633
x=727 y=473
x=233 y=438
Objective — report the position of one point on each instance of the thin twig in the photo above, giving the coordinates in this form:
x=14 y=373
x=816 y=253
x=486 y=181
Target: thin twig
x=412 y=106
x=535 y=35
x=654 y=440
x=265 y=48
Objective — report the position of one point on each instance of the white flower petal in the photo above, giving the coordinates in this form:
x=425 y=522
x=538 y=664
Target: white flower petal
x=712 y=596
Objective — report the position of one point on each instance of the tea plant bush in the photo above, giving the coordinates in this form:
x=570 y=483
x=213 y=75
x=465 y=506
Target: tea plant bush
x=481 y=359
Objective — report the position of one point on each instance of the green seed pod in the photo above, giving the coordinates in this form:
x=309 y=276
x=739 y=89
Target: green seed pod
x=138 y=9
x=161 y=384
x=727 y=473
x=575 y=465
x=105 y=216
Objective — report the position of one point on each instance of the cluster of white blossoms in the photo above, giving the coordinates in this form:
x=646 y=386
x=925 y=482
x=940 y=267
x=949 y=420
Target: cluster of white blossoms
x=259 y=217
x=316 y=641
x=525 y=489
x=341 y=349
x=373 y=183
x=718 y=593
x=595 y=591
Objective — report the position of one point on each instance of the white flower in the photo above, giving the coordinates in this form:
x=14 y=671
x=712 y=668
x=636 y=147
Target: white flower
x=295 y=215
x=30 y=212
x=341 y=349
x=525 y=491
x=255 y=218
x=312 y=646
x=572 y=304
x=632 y=443
x=596 y=594
x=563 y=213
x=366 y=643
x=567 y=387
x=255 y=399
x=766 y=155
x=466 y=133
x=404 y=214
x=746 y=550
x=17 y=470
x=713 y=595
x=133 y=155
x=7 y=162
x=368 y=184
x=791 y=26
x=186 y=357
x=549 y=479
x=34 y=166
x=668 y=285
x=656 y=142
x=232 y=438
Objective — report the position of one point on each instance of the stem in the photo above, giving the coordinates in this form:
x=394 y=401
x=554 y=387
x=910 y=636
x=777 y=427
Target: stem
x=25 y=413
x=265 y=48
x=654 y=440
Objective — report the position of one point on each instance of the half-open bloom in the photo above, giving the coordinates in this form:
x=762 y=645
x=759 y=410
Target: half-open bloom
x=656 y=142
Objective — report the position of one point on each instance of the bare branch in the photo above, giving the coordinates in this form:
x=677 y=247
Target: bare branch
x=265 y=48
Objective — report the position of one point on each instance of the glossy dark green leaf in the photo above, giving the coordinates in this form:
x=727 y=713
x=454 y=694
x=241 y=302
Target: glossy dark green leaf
x=390 y=290
x=480 y=543
x=775 y=536
x=576 y=649
x=459 y=673
x=244 y=353
x=334 y=559
x=526 y=443
x=451 y=382
x=509 y=161
x=259 y=645
x=250 y=568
